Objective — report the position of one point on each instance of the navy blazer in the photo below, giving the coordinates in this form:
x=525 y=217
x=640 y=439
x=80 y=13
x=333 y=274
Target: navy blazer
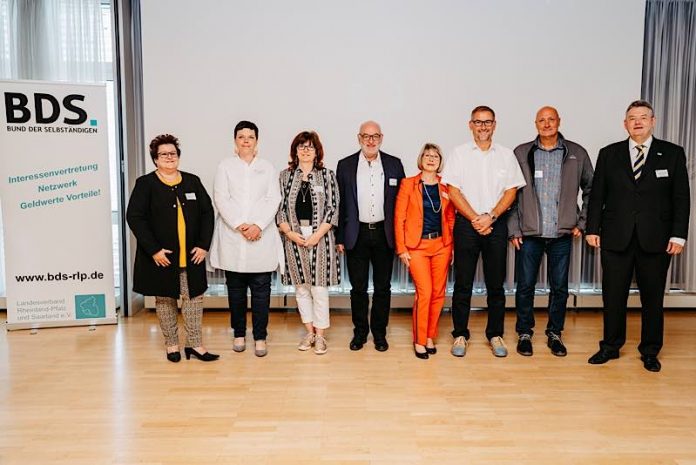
x=348 y=219
x=656 y=206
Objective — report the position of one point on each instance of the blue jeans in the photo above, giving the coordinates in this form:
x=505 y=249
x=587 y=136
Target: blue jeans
x=528 y=262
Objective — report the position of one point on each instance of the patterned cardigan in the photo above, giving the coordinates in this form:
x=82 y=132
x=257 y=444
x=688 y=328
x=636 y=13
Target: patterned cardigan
x=319 y=265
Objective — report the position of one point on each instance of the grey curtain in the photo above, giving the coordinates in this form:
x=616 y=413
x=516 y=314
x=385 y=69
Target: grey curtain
x=669 y=83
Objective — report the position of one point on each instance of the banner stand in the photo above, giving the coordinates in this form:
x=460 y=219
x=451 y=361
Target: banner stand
x=54 y=189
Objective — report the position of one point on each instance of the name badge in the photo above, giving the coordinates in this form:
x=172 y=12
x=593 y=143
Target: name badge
x=661 y=173
x=445 y=195
x=190 y=196
x=393 y=181
x=538 y=174
x=318 y=189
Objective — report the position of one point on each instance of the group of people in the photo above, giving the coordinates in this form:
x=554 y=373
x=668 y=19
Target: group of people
x=635 y=204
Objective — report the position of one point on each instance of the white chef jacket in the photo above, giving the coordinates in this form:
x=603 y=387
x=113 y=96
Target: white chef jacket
x=246 y=193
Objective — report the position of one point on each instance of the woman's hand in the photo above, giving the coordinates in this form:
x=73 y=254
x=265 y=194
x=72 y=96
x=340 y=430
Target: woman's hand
x=251 y=232
x=405 y=258
x=161 y=259
x=296 y=237
x=198 y=255
x=313 y=240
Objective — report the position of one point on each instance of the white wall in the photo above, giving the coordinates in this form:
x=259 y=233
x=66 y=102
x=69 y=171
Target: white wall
x=417 y=67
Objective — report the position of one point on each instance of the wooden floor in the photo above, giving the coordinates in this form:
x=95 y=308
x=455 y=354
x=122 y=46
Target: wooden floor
x=108 y=396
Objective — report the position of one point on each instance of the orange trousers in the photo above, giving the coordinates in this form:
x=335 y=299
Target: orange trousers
x=428 y=267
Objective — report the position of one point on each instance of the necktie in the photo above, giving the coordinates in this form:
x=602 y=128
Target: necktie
x=640 y=161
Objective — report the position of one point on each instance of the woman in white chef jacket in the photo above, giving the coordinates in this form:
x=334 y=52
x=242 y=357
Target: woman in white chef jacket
x=246 y=243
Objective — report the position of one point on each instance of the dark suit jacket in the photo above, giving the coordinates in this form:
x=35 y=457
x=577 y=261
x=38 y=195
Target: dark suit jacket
x=152 y=216
x=656 y=206
x=348 y=220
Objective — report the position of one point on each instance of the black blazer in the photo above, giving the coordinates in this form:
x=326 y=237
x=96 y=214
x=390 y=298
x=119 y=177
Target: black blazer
x=348 y=219
x=152 y=216
x=656 y=206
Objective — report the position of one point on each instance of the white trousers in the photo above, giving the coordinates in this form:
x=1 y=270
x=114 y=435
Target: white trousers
x=313 y=304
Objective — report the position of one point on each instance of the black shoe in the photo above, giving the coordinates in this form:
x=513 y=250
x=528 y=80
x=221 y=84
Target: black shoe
x=174 y=356
x=430 y=350
x=206 y=357
x=357 y=343
x=382 y=346
x=421 y=355
x=651 y=363
x=556 y=345
x=603 y=356
x=524 y=345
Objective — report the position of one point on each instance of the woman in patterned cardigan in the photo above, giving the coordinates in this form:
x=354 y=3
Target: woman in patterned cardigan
x=307 y=217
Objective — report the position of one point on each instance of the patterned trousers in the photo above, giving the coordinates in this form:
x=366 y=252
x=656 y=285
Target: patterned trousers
x=192 y=311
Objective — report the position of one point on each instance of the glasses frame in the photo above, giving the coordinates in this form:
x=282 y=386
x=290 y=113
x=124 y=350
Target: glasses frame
x=371 y=137
x=306 y=148
x=488 y=123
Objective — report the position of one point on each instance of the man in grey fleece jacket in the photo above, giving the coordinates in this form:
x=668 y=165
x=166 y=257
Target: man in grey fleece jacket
x=544 y=219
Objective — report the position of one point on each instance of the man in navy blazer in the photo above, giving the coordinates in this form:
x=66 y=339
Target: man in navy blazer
x=639 y=216
x=368 y=182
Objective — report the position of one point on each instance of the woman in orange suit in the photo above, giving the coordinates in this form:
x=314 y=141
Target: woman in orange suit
x=423 y=222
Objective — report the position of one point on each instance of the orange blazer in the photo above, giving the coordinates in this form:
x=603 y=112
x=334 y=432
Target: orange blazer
x=408 y=214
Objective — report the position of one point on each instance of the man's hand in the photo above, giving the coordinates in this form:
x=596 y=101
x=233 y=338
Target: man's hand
x=340 y=248
x=517 y=242
x=576 y=232
x=592 y=240
x=405 y=258
x=482 y=223
x=674 y=248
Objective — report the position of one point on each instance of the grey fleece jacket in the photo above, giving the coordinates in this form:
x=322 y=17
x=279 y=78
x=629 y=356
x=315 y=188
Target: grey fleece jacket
x=576 y=174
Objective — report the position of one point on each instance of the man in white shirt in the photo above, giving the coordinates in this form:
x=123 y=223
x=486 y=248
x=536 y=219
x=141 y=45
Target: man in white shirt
x=368 y=182
x=483 y=179
x=246 y=243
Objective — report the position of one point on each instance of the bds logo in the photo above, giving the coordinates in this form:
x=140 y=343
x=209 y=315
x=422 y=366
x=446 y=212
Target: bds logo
x=44 y=109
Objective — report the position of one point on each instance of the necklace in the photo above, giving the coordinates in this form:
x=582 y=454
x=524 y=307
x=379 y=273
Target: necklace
x=175 y=177
x=304 y=190
x=432 y=205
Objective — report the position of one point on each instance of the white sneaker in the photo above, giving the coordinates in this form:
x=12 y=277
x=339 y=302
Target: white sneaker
x=320 y=345
x=459 y=347
x=498 y=346
x=306 y=342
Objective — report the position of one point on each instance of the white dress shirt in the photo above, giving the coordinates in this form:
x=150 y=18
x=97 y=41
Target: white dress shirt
x=370 y=185
x=482 y=177
x=632 y=149
x=246 y=193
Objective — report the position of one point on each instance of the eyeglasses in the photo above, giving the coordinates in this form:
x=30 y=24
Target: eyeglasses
x=371 y=137
x=485 y=123
x=432 y=156
x=305 y=148
x=168 y=155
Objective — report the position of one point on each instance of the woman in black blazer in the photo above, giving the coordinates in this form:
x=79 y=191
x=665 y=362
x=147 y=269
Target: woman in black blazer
x=171 y=216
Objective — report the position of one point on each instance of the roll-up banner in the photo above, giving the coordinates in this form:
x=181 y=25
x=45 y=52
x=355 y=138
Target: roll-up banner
x=54 y=189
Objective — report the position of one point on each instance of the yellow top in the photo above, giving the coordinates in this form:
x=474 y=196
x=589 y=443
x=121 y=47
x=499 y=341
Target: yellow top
x=180 y=223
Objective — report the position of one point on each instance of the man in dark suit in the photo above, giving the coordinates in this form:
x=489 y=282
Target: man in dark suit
x=639 y=215
x=368 y=182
